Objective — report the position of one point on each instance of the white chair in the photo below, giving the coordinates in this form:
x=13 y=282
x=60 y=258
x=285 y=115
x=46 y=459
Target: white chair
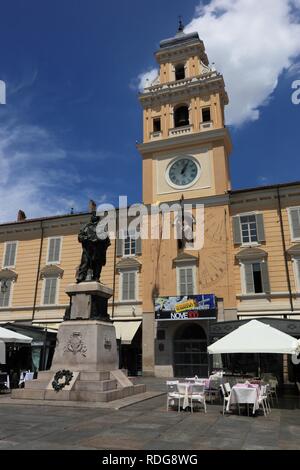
x=225 y=398
x=272 y=390
x=263 y=400
x=197 y=395
x=173 y=394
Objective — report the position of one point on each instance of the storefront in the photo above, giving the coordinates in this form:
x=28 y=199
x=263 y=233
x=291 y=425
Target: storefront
x=182 y=334
x=129 y=342
x=35 y=356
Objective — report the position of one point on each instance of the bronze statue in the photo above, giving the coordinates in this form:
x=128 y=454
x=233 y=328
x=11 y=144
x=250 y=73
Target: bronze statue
x=93 y=251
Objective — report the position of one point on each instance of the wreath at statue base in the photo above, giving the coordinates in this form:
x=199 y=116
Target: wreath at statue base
x=61 y=379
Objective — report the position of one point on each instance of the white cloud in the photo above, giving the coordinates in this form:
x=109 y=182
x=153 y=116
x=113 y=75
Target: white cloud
x=146 y=78
x=29 y=179
x=251 y=43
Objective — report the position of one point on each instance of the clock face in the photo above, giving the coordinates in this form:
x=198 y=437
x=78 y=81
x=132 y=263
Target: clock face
x=183 y=172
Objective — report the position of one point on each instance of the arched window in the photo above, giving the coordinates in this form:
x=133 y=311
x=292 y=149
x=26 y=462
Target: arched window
x=179 y=72
x=181 y=116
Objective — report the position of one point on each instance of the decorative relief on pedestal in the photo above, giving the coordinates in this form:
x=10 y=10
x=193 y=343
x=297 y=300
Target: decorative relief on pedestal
x=75 y=344
x=107 y=343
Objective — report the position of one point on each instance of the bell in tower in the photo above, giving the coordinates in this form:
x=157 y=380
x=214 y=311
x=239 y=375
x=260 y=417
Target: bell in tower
x=181 y=116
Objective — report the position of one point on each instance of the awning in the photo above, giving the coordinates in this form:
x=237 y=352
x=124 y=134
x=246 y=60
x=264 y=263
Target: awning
x=125 y=330
x=256 y=337
x=8 y=336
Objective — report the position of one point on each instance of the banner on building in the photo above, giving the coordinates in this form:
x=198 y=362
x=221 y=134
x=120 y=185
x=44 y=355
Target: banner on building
x=186 y=307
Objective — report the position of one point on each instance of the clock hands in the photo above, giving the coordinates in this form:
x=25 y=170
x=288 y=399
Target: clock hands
x=184 y=168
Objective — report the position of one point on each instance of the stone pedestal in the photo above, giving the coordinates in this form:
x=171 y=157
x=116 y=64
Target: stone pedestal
x=84 y=345
x=88 y=300
x=87 y=349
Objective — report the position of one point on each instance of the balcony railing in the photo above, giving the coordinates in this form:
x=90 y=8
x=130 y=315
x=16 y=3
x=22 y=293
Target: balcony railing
x=155 y=135
x=180 y=130
x=204 y=126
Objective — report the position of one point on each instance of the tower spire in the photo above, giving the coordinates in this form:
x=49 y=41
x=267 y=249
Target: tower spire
x=180 y=25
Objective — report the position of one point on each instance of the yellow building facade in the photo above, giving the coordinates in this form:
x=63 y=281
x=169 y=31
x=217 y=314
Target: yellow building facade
x=249 y=261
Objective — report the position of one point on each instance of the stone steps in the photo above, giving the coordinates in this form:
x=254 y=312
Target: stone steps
x=98 y=375
x=96 y=386
x=93 y=396
x=93 y=385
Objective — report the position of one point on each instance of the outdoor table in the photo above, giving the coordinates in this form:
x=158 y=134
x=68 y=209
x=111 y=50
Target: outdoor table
x=244 y=394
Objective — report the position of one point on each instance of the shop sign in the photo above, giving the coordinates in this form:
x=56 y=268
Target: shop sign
x=202 y=307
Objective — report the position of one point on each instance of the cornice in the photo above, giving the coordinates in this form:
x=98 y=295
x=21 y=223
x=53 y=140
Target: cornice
x=194 y=86
x=189 y=139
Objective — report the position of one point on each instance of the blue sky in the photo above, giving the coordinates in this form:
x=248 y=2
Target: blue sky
x=72 y=118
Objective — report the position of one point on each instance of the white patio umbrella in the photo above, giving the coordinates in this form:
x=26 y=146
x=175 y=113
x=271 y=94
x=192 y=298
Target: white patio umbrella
x=8 y=336
x=256 y=337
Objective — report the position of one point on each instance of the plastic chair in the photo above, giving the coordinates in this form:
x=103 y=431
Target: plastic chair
x=263 y=400
x=197 y=395
x=225 y=398
x=173 y=393
x=272 y=390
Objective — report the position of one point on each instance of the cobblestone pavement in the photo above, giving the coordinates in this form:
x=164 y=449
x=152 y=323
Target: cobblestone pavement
x=147 y=425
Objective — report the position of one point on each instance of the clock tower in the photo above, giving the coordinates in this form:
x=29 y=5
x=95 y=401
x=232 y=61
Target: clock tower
x=185 y=152
x=185 y=145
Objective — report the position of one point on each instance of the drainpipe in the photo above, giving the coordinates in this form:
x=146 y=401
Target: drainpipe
x=284 y=252
x=38 y=272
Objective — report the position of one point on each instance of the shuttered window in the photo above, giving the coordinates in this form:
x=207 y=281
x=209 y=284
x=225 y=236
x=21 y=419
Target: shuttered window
x=54 y=245
x=185 y=281
x=129 y=285
x=129 y=246
x=295 y=223
x=10 y=254
x=5 y=296
x=248 y=228
x=50 y=291
x=256 y=278
x=297 y=273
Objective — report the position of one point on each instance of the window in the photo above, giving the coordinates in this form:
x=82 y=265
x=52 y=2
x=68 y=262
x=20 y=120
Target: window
x=185 y=280
x=256 y=278
x=10 y=254
x=54 y=245
x=50 y=290
x=179 y=72
x=128 y=280
x=206 y=115
x=296 y=264
x=294 y=216
x=181 y=116
x=248 y=228
x=156 y=125
x=5 y=296
x=129 y=246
